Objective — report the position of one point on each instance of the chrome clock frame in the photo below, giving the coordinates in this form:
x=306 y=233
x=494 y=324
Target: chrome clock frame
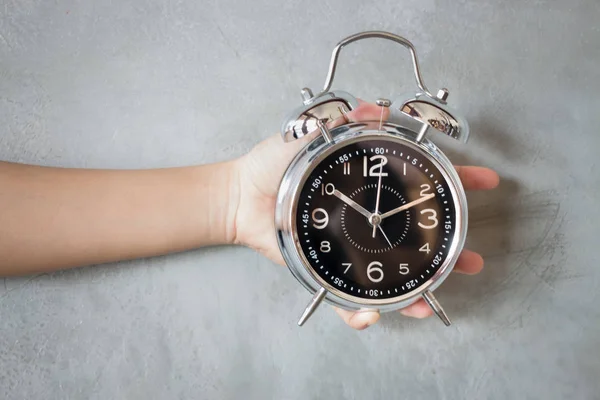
x=287 y=203
x=411 y=121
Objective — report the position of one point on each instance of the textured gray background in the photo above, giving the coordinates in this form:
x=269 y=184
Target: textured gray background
x=137 y=84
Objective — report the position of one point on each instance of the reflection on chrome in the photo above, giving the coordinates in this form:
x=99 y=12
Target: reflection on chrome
x=434 y=116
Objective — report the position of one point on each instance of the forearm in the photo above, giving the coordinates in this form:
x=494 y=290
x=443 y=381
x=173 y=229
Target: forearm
x=53 y=218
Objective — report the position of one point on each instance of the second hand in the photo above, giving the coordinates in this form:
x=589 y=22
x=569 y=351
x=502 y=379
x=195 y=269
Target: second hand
x=380 y=176
x=378 y=196
x=385 y=236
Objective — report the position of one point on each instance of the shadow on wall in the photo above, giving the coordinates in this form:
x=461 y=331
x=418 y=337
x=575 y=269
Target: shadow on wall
x=520 y=238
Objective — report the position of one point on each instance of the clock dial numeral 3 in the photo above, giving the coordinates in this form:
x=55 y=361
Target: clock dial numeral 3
x=432 y=217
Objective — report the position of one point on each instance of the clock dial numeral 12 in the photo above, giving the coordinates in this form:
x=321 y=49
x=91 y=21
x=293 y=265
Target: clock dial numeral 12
x=376 y=169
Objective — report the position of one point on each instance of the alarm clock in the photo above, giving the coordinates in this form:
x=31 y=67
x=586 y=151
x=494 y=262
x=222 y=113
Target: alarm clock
x=371 y=214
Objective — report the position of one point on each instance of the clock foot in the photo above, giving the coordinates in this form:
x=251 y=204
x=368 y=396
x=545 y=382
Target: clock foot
x=436 y=307
x=312 y=306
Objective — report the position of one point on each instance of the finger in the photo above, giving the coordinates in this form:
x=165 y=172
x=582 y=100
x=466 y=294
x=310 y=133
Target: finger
x=469 y=263
x=368 y=111
x=274 y=254
x=281 y=150
x=358 y=320
x=364 y=112
x=419 y=309
x=272 y=154
x=477 y=178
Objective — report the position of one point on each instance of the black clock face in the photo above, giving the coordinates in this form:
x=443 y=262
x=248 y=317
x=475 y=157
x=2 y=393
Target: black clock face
x=375 y=219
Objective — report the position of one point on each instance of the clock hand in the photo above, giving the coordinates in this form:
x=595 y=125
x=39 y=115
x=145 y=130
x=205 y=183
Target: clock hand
x=407 y=206
x=383 y=103
x=385 y=236
x=378 y=197
x=351 y=203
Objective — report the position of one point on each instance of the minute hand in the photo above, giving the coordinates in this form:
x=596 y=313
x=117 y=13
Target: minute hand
x=407 y=206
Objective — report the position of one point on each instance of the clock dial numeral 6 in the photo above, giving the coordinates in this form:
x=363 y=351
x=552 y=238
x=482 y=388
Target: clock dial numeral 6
x=320 y=218
x=376 y=169
x=432 y=217
x=374 y=271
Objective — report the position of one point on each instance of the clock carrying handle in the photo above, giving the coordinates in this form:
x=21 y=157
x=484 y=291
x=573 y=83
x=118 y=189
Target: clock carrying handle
x=320 y=110
x=374 y=34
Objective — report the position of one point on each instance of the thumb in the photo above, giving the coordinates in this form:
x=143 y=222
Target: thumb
x=358 y=320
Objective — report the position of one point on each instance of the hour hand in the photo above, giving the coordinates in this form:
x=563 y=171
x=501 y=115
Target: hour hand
x=407 y=206
x=351 y=203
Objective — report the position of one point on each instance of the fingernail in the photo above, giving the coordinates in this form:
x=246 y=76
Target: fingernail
x=366 y=319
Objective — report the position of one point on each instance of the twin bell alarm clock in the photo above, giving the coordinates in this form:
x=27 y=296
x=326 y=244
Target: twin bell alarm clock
x=371 y=214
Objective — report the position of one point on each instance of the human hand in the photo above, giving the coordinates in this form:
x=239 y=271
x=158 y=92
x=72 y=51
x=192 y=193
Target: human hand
x=258 y=176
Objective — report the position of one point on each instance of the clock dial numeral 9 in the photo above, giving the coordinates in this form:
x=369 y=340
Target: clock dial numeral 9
x=320 y=218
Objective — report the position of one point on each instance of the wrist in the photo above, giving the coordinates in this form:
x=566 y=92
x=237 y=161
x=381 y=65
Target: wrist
x=217 y=197
x=233 y=190
x=237 y=228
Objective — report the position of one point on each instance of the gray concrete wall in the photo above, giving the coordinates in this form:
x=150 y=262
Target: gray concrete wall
x=137 y=84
